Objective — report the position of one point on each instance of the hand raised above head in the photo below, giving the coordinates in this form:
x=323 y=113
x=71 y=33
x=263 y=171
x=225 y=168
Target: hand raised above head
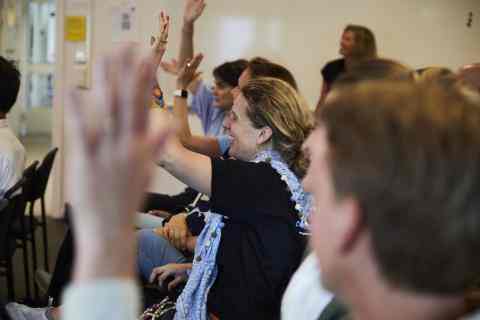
x=188 y=72
x=159 y=42
x=193 y=10
x=110 y=149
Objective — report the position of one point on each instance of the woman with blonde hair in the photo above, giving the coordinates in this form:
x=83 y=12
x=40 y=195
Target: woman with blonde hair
x=253 y=236
x=357 y=44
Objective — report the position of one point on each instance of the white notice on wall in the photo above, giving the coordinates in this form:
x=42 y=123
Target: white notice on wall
x=124 y=19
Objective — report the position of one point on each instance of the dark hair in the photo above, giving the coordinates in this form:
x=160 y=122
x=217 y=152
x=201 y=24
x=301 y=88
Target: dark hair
x=365 y=45
x=274 y=103
x=230 y=71
x=9 y=85
x=410 y=155
x=374 y=69
x=261 y=67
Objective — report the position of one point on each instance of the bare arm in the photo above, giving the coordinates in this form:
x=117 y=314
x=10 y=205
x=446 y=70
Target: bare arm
x=110 y=165
x=193 y=169
x=193 y=10
x=205 y=145
x=159 y=43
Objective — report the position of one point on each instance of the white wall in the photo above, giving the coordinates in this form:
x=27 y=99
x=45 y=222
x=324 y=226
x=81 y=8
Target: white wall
x=303 y=35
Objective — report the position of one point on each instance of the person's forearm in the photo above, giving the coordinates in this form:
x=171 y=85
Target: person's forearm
x=158 y=56
x=193 y=169
x=186 y=266
x=105 y=255
x=205 y=145
x=186 y=43
x=180 y=112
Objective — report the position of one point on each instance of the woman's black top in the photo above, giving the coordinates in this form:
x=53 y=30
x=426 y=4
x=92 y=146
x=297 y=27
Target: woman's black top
x=260 y=246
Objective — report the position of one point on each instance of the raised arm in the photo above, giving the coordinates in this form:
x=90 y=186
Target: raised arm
x=193 y=10
x=193 y=169
x=111 y=163
x=202 y=144
x=159 y=42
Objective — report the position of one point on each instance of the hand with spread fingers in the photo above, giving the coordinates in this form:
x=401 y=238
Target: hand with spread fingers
x=175 y=270
x=193 y=10
x=188 y=72
x=111 y=160
x=159 y=43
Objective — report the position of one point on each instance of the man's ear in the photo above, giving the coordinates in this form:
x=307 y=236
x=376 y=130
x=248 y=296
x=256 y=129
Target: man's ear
x=264 y=135
x=351 y=223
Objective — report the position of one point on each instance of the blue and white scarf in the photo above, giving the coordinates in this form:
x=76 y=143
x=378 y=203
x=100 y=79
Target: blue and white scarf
x=192 y=303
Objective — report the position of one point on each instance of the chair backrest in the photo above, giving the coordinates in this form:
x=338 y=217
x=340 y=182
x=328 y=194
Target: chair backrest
x=13 y=211
x=30 y=181
x=43 y=173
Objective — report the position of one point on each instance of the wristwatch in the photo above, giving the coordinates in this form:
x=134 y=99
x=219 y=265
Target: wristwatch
x=182 y=93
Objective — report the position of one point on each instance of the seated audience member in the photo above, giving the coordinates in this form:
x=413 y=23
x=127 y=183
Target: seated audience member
x=356 y=45
x=12 y=152
x=218 y=146
x=260 y=208
x=209 y=104
x=258 y=240
x=394 y=175
x=304 y=289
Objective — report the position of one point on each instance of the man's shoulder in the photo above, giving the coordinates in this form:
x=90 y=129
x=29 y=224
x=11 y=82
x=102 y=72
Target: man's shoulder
x=10 y=145
x=334 y=65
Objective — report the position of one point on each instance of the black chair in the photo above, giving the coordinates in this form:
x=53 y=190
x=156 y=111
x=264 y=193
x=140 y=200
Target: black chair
x=42 y=175
x=22 y=228
x=11 y=214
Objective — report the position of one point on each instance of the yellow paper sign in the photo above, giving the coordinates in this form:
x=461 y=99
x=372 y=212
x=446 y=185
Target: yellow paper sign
x=75 y=28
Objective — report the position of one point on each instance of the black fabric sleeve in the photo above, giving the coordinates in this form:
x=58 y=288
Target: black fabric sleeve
x=239 y=187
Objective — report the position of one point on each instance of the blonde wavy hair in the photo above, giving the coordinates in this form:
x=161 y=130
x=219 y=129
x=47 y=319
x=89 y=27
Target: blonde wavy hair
x=275 y=104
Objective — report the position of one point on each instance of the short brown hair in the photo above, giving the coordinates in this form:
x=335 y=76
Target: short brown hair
x=410 y=155
x=261 y=67
x=375 y=69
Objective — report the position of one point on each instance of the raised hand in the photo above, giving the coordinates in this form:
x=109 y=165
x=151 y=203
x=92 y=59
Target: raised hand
x=159 y=42
x=171 y=67
x=193 y=10
x=188 y=72
x=111 y=157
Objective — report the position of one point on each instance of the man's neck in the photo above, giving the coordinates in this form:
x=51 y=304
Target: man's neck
x=398 y=305
x=371 y=297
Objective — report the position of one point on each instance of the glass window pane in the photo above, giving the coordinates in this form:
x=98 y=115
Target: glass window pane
x=41 y=32
x=40 y=90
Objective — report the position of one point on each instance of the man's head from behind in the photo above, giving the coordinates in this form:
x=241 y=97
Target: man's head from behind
x=260 y=67
x=9 y=85
x=395 y=173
